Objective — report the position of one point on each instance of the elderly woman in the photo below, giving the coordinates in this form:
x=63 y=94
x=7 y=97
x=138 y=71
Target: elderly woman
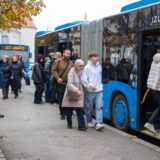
x=74 y=95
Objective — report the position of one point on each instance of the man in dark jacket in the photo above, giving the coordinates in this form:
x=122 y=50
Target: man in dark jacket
x=6 y=68
x=2 y=81
x=38 y=78
x=47 y=70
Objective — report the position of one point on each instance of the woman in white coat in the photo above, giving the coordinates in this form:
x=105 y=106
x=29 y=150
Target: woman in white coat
x=153 y=83
x=74 y=85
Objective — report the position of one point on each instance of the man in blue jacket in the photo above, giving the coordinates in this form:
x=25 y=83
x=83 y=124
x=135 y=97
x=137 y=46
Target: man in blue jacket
x=2 y=82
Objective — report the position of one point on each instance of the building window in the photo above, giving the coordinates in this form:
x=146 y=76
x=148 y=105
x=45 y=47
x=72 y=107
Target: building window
x=5 y=39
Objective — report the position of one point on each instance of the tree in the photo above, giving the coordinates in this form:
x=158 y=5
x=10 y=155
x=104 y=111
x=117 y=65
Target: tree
x=13 y=13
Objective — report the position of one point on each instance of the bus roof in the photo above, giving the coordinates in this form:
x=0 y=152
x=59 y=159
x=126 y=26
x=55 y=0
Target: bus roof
x=68 y=25
x=138 y=4
x=61 y=27
x=41 y=32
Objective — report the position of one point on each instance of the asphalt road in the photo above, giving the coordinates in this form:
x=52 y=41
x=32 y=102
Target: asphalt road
x=35 y=132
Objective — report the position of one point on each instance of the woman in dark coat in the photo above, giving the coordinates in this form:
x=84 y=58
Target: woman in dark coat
x=38 y=78
x=2 y=81
x=6 y=68
x=16 y=75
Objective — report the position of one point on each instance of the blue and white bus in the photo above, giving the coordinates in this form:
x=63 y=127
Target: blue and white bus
x=17 y=49
x=132 y=36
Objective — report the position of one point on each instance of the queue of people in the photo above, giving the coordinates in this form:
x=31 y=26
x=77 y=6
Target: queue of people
x=72 y=85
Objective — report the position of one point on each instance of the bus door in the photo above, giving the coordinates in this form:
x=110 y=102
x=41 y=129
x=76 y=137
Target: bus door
x=43 y=50
x=149 y=45
x=62 y=46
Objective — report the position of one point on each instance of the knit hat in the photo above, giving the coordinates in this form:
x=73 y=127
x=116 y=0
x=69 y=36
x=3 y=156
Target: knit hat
x=39 y=57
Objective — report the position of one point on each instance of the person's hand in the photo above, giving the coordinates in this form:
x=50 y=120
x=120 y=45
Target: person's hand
x=79 y=93
x=60 y=81
x=93 y=88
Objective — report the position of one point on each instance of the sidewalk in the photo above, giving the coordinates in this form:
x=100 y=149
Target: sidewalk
x=35 y=132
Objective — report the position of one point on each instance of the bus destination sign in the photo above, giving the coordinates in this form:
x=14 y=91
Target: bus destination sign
x=14 y=47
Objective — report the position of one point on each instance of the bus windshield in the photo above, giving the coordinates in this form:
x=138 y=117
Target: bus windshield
x=12 y=50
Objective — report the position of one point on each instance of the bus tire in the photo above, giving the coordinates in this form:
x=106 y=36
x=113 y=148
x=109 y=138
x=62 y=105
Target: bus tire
x=120 y=113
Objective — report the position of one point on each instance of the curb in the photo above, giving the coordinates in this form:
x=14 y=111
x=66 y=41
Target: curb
x=133 y=138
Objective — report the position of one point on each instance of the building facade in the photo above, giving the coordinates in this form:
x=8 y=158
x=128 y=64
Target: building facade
x=24 y=36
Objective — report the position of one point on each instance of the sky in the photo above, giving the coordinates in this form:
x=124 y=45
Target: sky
x=58 y=12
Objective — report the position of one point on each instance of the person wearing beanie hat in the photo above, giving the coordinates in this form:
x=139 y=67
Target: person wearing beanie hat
x=38 y=78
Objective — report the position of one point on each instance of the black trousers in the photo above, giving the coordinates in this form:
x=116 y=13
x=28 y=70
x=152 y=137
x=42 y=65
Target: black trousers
x=38 y=92
x=80 y=117
x=5 y=91
x=60 y=93
x=156 y=113
x=15 y=84
x=54 y=98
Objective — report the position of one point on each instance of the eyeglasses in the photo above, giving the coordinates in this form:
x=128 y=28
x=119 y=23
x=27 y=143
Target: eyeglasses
x=81 y=66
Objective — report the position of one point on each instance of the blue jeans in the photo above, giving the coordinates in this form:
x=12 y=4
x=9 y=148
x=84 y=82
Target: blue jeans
x=48 y=92
x=92 y=99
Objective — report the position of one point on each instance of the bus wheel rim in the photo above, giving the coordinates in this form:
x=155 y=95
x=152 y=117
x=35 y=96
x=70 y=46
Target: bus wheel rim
x=120 y=113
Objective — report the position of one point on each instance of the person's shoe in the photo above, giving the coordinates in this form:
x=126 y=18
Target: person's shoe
x=69 y=126
x=15 y=96
x=62 y=117
x=4 y=98
x=35 y=102
x=99 y=126
x=42 y=102
x=90 y=124
x=82 y=129
x=1 y=116
x=20 y=91
x=47 y=101
x=150 y=127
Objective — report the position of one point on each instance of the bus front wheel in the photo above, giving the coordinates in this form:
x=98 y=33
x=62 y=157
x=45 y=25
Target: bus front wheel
x=120 y=113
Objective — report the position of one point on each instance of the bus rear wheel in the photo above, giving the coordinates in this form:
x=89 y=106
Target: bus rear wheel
x=120 y=113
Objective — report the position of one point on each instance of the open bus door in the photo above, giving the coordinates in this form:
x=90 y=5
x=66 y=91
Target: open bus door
x=149 y=45
x=43 y=50
x=60 y=46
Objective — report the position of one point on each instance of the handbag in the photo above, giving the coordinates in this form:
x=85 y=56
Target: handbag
x=73 y=96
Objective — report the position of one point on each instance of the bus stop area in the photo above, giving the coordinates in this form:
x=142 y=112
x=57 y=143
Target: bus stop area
x=35 y=132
